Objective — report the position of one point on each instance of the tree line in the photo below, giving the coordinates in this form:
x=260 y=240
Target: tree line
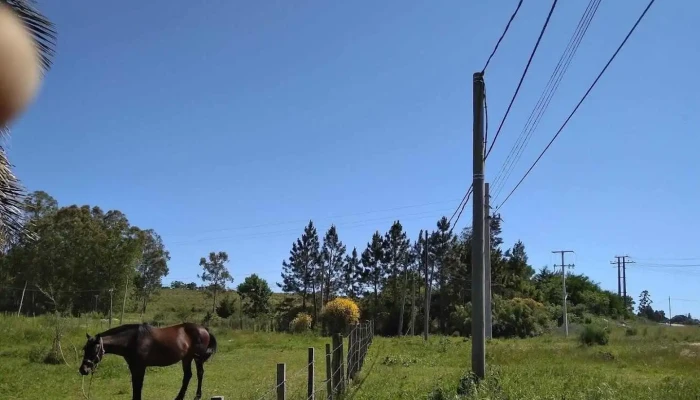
x=77 y=254
x=70 y=258
x=392 y=276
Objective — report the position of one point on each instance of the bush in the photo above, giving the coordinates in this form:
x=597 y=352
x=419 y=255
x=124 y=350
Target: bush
x=520 y=317
x=339 y=314
x=301 y=323
x=594 y=334
x=631 y=331
x=461 y=319
x=226 y=307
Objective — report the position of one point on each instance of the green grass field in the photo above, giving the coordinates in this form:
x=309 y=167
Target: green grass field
x=656 y=363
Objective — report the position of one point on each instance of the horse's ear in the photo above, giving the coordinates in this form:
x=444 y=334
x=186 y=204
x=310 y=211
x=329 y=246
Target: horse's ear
x=87 y=335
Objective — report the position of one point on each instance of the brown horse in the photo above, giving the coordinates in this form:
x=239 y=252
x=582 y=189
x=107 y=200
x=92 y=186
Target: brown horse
x=143 y=346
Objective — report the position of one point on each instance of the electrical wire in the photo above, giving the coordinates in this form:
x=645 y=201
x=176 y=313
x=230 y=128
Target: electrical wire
x=579 y=103
x=546 y=96
x=462 y=203
x=512 y=17
x=349 y=225
x=305 y=221
x=522 y=77
x=469 y=192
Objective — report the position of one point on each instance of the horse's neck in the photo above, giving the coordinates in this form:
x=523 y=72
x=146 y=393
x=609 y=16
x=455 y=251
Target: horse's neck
x=118 y=343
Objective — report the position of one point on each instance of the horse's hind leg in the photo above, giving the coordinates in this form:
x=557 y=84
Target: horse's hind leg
x=186 y=376
x=200 y=376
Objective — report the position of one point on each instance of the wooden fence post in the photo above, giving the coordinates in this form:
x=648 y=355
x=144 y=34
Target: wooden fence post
x=281 y=381
x=310 y=376
x=351 y=351
x=329 y=376
x=335 y=365
x=340 y=363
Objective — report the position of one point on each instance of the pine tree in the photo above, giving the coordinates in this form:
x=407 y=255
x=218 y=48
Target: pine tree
x=299 y=272
x=373 y=271
x=396 y=259
x=441 y=248
x=352 y=275
x=332 y=256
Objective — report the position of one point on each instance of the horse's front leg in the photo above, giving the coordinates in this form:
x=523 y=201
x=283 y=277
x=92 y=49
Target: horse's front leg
x=186 y=375
x=200 y=376
x=137 y=374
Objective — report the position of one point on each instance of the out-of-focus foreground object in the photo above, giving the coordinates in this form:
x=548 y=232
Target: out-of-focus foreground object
x=27 y=41
x=21 y=60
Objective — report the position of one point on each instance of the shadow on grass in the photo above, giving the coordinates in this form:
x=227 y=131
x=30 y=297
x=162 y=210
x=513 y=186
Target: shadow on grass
x=356 y=387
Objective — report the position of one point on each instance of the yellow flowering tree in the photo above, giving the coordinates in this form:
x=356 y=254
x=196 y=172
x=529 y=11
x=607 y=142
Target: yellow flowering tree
x=339 y=314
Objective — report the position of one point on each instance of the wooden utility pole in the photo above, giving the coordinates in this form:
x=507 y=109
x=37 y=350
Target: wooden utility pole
x=624 y=278
x=426 y=319
x=21 y=300
x=478 y=273
x=111 y=291
x=619 y=275
x=126 y=290
x=622 y=262
x=487 y=263
x=563 y=280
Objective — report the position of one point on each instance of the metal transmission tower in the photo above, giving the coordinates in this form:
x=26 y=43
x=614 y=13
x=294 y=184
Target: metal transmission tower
x=563 y=280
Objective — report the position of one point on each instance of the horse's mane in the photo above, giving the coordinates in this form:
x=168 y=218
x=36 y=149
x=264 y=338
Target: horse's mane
x=140 y=329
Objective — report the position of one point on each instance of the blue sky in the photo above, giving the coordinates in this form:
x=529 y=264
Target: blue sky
x=227 y=127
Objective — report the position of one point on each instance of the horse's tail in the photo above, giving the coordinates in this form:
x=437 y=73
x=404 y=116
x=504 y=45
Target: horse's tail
x=213 y=347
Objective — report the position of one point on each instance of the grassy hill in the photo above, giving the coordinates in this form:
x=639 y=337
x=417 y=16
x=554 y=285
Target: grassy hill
x=173 y=305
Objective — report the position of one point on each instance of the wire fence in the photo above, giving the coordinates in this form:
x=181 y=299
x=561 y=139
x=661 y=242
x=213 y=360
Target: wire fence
x=341 y=368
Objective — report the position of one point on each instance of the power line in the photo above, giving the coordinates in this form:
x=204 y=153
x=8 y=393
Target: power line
x=580 y=102
x=668 y=265
x=522 y=77
x=469 y=193
x=353 y=224
x=462 y=203
x=512 y=17
x=668 y=259
x=543 y=102
x=305 y=221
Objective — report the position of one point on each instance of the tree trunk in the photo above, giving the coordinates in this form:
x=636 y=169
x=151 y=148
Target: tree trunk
x=403 y=300
x=412 y=327
x=313 y=289
x=376 y=301
x=213 y=308
x=321 y=282
x=303 y=297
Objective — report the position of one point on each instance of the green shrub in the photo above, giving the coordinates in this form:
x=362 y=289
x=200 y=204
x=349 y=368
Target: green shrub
x=594 y=334
x=520 y=317
x=226 y=307
x=301 y=323
x=631 y=331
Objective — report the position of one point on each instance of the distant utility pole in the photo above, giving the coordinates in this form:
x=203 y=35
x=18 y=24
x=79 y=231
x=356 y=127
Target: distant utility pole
x=111 y=291
x=619 y=276
x=126 y=290
x=563 y=280
x=622 y=262
x=478 y=273
x=426 y=316
x=669 y=310
x=487 y=263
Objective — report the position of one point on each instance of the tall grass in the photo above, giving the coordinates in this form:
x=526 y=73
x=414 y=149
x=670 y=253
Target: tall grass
x=657 y=363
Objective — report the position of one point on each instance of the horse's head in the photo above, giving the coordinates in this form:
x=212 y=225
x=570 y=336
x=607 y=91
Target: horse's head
x=92 y=354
